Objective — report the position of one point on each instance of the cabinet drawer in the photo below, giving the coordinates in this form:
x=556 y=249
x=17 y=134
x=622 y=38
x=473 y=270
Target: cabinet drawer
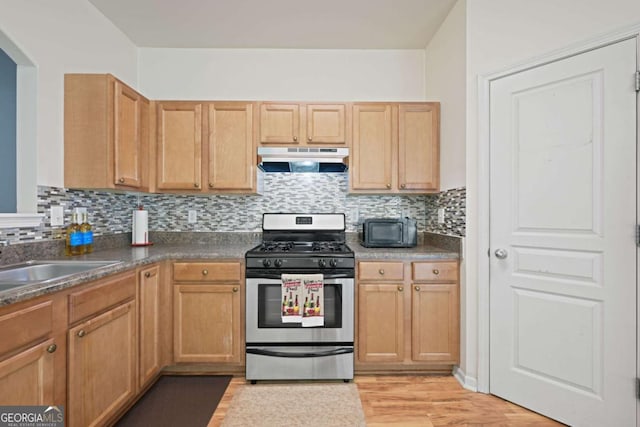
x=108 y=293
x=207 y=271
x=24 y=326
x=380 y=271
x=445 y=271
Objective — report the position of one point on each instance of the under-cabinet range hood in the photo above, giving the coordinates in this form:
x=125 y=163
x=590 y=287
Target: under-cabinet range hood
x=303 y=159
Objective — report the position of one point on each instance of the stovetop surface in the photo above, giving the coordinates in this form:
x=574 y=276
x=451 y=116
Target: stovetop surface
x=297 y=248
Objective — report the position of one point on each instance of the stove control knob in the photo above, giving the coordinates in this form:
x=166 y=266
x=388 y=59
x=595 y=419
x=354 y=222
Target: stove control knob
x=266 y=262
x=333 y=263
x=277 y=263
x=322 y=263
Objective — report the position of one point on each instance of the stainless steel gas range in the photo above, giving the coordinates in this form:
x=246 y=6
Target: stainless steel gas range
x=300 y=244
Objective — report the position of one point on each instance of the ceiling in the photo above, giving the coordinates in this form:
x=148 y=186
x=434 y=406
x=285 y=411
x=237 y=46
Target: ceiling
x=278 y=24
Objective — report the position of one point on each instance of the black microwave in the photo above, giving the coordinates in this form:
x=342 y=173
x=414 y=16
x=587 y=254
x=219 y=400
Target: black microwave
x=389 y=233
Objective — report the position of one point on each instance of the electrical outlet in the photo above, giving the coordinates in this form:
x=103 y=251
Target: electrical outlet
x=441 y=216
x=56 y=213
x=193 y=216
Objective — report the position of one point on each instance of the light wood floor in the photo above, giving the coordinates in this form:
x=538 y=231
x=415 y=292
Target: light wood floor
x=421 y=401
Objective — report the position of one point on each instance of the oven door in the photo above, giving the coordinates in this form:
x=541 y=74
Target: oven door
x=264 y=318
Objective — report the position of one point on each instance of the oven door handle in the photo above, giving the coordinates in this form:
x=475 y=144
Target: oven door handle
x=335 y=352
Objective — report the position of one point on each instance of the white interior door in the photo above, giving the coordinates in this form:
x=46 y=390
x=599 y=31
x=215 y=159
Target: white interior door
x=563 y=254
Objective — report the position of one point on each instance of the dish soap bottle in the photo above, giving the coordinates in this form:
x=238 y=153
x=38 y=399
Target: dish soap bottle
x=87 y=234
x=73 y=242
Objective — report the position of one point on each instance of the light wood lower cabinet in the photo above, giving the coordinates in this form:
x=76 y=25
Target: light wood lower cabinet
x=149 y=309
x=32 y=355
x=208 y=314
x=102 y=366
x=408 y=316
x=27 y=377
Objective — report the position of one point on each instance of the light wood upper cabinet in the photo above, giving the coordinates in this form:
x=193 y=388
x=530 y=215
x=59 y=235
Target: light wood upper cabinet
x=326 y=124
x=232 y=159
x=280 y=123
x=179 y=145
x=418 y=146
x=106 y=135
x=303 y=124
x=395 y=148
x=372 y=151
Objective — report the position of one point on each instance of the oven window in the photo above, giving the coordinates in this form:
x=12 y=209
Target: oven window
x=270 y=307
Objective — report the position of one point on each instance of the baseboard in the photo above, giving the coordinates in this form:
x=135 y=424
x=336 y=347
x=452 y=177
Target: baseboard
x=470 y=383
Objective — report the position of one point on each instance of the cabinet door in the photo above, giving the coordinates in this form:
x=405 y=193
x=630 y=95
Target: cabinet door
x=179 y=146
x=27 y=377
x=372 y=167
x=149 y=327
x=381 y=323
x=232 y=159
x=418 y=146
x=326 y=124
x=280 y=123
x=207 y=323
x=435 y=323
x=102 y=366
x=127 y=136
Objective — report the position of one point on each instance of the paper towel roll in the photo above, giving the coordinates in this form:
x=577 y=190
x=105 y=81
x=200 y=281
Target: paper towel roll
x=140 y=231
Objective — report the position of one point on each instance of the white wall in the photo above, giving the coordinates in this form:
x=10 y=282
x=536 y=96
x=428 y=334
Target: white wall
x=63 y=36
x=282 y=74
x=501 y=33
x=446 y=67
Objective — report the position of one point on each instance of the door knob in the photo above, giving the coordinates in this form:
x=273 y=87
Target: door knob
x=501 y=253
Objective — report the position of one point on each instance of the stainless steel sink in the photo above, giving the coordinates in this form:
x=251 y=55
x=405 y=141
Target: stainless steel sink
x=41 y=271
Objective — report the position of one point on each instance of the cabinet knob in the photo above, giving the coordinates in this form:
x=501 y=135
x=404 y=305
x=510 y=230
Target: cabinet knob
x=52 y=348
x=205 y=272
x=309 y=139
x=81 y=333
x=417 y=288
x=381 y=272
x=400 y=289
x=295 y=139
x=121 y=180
x=235 y=289
x=436 y=271
x=147 y=274
x=210 y=185
x=388 y=185
x=196 y=185
x=403 y=185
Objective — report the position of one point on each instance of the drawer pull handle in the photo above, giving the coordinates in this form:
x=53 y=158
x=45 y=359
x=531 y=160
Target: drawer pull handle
x=436 y=271
x=210 y=185
x=205 y=272
x=388 y=185
x=381 y=271
x=196 y=185
x=81 y=333
x=52 y=348
x=121 y=180
x=417 y=288
x=310 y=139
x=147 y=274
x=403 y=185
x=295 y=139
x=400 y=289
x=235 y=289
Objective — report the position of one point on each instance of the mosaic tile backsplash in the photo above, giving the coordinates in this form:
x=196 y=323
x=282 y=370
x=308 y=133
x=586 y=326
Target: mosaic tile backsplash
x=110 y=213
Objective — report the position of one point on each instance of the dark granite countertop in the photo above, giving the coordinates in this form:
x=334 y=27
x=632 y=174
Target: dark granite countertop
x=192 y=246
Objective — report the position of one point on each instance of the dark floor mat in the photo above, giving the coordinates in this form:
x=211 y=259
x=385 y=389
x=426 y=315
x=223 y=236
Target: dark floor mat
x=176 y=400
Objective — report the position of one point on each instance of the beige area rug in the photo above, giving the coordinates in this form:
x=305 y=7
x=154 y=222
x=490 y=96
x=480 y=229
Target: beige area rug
x=318 y=405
